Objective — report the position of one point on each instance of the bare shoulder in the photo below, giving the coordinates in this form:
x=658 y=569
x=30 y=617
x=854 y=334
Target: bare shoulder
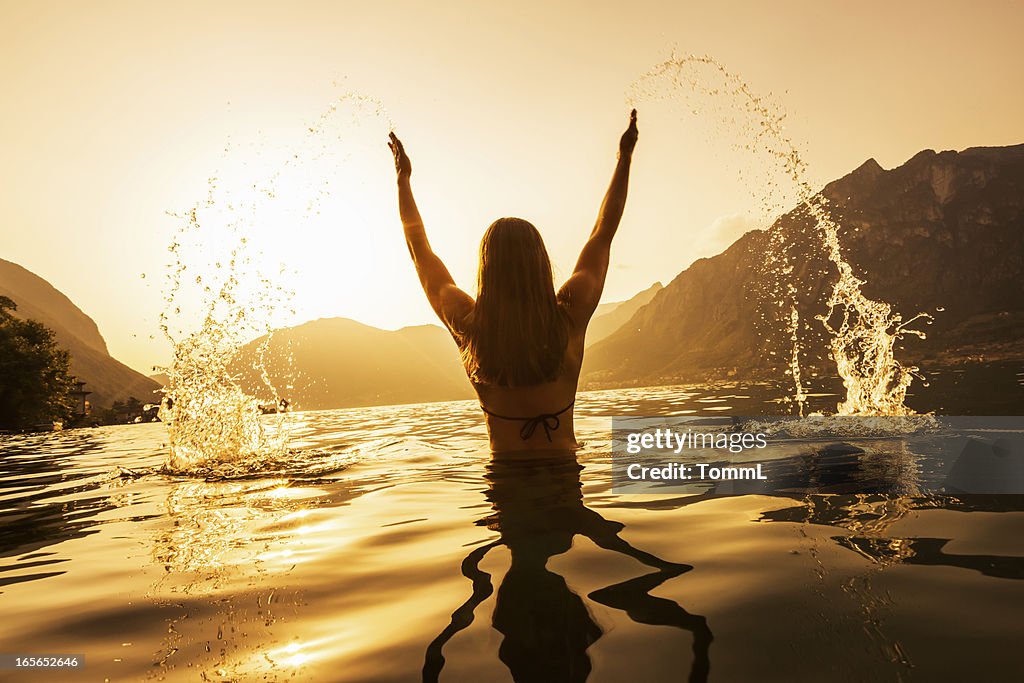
x=456 y=307
x=577 y=318
x=577 y=298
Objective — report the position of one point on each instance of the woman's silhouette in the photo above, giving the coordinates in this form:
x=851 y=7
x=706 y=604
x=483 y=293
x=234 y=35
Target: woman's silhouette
x=546 y=627
x=522 y=347
x=521 y=342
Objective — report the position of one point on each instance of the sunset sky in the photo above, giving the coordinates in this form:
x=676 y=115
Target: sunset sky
x=116 y=113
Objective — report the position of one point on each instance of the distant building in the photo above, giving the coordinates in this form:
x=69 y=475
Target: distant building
x=79 y=406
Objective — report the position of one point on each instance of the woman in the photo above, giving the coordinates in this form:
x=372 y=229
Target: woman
x=521 y=343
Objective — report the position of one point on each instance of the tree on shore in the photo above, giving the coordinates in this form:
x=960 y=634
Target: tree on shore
x=35 y=384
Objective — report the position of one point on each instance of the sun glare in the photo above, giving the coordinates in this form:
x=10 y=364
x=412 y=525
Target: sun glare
x=301 y=211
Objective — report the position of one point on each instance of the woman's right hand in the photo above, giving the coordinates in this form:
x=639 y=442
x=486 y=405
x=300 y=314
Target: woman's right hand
x=403 y=167
x=628 y=141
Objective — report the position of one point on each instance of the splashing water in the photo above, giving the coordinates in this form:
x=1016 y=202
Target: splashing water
x=862 y=332
x=209 y=413
x=221 y=307
x=863 y=341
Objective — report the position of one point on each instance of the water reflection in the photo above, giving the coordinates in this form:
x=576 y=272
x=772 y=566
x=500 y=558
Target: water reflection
x=547 y=628
x=53 y=490
x=334 y=561
x=221 y=549
x=870 y=517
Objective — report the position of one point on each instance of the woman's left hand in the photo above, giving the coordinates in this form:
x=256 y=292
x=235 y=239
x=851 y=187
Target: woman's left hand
x=628 y=140
x=403 y=167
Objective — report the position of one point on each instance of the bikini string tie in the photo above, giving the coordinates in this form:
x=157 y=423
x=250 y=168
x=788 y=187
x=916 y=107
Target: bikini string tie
x=549 y=421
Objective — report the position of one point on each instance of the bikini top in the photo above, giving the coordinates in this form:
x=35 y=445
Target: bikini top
x=548 y=421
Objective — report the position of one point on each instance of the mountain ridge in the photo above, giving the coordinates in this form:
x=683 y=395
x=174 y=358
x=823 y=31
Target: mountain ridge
x=106 y=377
x=610 y=317
x=342 y=363
x=430 y=368
x=941 y=231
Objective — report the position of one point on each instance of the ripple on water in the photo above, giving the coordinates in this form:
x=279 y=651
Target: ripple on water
x=349 y=551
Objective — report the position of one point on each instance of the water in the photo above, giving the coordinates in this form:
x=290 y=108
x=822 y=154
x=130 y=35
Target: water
x=862 y=332
x=346 y=559
x=222 y=292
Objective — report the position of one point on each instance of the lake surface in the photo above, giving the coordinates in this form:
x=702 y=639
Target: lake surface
x=390 y=546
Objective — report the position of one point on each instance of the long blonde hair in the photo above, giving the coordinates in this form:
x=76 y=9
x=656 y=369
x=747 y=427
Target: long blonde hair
x=517 y=334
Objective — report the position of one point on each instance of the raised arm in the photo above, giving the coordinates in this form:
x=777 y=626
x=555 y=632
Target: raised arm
x=582 y=291
x=450 y=303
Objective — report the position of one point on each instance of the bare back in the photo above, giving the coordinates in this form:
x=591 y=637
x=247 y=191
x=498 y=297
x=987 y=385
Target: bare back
x=538 y=416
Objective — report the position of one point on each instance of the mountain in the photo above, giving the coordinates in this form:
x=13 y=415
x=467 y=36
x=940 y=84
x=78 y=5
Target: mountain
x=108 y=379
x=610 y=317
x=942 y=234
x=340 y=363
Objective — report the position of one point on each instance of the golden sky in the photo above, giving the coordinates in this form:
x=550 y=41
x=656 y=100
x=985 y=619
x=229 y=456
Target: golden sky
x=115 y=113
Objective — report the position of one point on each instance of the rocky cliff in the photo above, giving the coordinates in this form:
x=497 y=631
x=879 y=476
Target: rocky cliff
x=610 y=317
x=942 y=234
x=107 y=378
